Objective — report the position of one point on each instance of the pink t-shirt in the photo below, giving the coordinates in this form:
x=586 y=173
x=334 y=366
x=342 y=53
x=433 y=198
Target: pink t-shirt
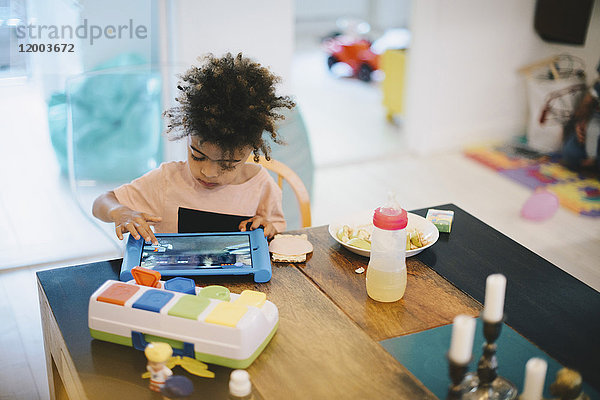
x=163 y=190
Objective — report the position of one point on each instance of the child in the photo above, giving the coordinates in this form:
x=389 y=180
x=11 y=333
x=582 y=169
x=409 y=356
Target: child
x=225 y=105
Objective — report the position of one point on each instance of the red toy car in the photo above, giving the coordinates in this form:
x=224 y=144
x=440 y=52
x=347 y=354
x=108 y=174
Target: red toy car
x=356 y=53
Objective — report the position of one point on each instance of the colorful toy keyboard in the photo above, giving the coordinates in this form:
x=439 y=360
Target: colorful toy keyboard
x=209 y=324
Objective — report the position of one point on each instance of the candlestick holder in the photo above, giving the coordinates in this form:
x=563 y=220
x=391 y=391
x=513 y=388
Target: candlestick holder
x=459 y=386
x=486 y=383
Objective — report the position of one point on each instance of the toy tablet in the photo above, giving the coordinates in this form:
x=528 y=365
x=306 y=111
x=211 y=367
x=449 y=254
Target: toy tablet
x=193 y=254
x=209 y=324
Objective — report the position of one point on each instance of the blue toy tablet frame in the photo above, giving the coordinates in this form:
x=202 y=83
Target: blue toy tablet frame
x=259 y=253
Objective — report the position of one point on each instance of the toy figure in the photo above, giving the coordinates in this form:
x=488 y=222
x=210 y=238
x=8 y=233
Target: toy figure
x=158 y=354
x=177 y=387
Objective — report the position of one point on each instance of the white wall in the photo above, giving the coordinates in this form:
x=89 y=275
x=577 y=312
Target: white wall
x=319 y=10
x=317 y=18
x=463 y=86
x=51 y=69
x=261 y=29
x=103 y=13
x=390 y=14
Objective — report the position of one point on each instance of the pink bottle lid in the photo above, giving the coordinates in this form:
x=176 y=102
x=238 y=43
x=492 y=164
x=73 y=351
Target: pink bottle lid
x=390 y=219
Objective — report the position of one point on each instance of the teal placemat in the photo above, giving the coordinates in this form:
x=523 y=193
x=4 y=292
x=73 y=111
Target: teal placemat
x=424 y=355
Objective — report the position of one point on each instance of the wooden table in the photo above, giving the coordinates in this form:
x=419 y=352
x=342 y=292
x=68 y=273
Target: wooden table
x=327 y=343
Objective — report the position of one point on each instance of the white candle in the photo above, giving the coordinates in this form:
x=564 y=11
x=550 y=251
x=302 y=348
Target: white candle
x=495 y=287
x=535 y=375
x=461 y=343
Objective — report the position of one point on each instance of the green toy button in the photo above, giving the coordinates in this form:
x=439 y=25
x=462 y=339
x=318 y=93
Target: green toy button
x=189 y=306
x=215 y=292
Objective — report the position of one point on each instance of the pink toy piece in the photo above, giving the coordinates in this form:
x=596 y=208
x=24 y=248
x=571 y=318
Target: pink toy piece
x=540 y=206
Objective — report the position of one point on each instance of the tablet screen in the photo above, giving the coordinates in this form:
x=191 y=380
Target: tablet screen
x=197 y=252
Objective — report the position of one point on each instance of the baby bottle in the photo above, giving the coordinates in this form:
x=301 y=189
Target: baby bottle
x=386 y=273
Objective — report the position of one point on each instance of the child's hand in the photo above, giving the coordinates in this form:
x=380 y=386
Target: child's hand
x=134 y=222
x=258 y=221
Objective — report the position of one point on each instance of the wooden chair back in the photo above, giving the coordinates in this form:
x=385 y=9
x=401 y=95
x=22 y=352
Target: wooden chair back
x=286 y=173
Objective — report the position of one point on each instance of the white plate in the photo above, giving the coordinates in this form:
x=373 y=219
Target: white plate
x=364 y=220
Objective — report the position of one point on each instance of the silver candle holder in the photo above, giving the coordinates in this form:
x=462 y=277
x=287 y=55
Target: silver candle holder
x=459 y=385
x=486 y=384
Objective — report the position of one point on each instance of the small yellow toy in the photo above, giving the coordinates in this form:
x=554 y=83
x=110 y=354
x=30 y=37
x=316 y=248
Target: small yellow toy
x=158 y=354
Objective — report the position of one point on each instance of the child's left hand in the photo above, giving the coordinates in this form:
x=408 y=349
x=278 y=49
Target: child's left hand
x=258 y=221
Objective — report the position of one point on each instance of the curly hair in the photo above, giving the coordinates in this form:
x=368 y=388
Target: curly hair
x=228 y=101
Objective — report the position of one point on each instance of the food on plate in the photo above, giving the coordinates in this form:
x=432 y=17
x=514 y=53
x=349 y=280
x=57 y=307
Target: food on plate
x=360 y=243
x=360 y=237
x=344 y=233
x=414 y=239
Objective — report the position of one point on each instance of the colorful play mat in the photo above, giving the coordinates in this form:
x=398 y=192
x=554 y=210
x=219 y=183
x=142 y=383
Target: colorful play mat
x=575 y=192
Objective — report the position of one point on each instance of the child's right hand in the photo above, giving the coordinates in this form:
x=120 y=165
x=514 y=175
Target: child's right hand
x=135 y=222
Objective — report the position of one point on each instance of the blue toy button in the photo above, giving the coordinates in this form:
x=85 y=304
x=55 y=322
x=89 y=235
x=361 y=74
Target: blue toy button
x=153 y=300
x=182 y=285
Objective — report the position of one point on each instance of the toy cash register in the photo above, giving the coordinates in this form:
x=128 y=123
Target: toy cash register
x=209 y=324
x=194 y=254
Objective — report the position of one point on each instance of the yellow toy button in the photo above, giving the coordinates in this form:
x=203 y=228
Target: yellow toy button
x=227 y=314
x=251 y=298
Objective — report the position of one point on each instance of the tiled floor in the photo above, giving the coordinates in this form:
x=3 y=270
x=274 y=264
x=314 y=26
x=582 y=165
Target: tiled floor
x=359 y=157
